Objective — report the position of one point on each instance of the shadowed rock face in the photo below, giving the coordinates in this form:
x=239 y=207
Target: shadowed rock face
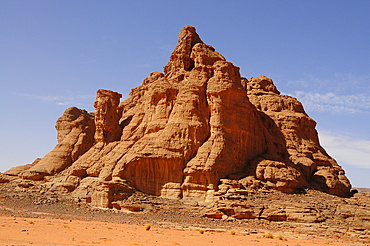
x=184 y=132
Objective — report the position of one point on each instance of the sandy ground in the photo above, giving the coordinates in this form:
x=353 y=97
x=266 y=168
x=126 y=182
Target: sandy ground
x=42 y=231
x=37 y=219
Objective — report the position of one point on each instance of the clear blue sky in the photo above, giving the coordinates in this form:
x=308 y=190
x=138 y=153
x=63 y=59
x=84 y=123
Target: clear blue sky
x=56 y=54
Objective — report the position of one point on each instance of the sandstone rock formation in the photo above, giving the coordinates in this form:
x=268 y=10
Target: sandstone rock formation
x=75 y=136
x=188 y=133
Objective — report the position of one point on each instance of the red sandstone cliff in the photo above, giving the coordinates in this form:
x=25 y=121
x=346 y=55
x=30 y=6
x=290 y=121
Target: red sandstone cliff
x=184 y=133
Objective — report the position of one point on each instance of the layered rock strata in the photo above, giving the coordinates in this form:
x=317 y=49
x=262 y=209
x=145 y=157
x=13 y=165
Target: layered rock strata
x=184 y=134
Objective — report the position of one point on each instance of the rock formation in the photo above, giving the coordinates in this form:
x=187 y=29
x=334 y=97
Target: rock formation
x=194 y=132
x=75 y=136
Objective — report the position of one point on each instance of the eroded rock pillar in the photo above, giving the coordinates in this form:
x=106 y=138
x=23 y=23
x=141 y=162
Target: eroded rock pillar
x=107 y=116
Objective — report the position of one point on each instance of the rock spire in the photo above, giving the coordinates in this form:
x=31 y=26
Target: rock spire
x=185 y=134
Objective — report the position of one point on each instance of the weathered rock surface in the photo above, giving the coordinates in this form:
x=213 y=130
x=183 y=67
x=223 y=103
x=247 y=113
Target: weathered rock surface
x=187 y=134
x=310 y=206
x=107 y=116
x=290 y=124
x=75 y=136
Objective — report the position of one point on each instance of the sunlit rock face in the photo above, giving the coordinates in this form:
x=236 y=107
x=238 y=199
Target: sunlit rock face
x=184 y=133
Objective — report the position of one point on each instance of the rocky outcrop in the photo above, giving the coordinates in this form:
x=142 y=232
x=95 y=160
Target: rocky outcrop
x=75 y=136
x=290 y=125
x=185 y=134
x=107 y=116
x=308 y=207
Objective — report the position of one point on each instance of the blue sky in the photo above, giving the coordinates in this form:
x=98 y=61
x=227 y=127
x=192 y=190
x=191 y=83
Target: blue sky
x=56 y=54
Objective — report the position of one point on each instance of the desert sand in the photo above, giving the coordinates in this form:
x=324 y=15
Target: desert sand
x=28 y=218
x=41 y=231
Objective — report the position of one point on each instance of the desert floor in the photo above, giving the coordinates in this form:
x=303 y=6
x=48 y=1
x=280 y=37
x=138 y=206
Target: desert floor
x=41 y=231
x=36 y=219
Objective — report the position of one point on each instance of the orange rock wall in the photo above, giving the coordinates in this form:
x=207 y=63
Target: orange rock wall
x=182 y=131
